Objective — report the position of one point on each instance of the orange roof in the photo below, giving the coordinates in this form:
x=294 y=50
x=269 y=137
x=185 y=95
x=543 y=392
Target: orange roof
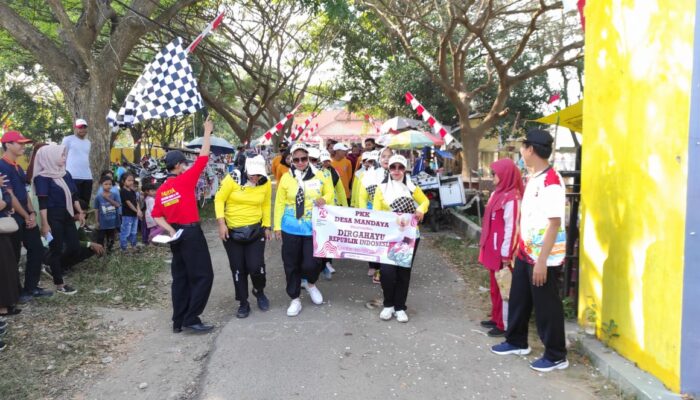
x=341 y=125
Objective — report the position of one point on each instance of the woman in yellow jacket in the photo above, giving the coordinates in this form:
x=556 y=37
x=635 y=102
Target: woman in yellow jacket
x=298 y=191
x=243 y=213
x=398 y=194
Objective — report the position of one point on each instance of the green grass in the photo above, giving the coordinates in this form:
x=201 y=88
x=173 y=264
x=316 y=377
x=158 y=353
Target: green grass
x=207 y=212
x=55 y=337
x=465 y=255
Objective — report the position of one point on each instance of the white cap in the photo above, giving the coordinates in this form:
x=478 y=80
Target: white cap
x=314 y=152
x=398 y=159
x=298 y=146
x=325 y=156
x=80 y=122
x=255 y=166
x=340 y=146
x=370 y=155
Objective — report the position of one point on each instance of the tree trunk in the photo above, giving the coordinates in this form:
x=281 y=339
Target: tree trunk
x=91 y=101
x=470 y=147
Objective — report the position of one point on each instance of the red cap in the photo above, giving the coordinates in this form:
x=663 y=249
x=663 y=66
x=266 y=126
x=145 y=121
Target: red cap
x=14 y=136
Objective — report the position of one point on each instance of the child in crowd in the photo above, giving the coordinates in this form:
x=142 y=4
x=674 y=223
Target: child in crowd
x=131 y=212
x=149 y=222
x=106 y=206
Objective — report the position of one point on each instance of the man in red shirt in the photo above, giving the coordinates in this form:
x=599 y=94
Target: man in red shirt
x=176 y=209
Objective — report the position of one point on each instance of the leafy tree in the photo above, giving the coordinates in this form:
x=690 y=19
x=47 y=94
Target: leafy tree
x=82 y=46
x=457 y=43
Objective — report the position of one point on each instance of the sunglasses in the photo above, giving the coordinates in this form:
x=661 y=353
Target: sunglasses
x=397 y=167
x=300 y=160
x=314 y=160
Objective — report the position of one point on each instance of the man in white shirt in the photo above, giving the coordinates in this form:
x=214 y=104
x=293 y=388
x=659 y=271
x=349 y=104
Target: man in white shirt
x=541 y=253
x=78 y=159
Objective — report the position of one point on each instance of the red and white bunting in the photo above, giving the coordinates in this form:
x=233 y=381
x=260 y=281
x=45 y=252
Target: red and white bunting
x=297 y=131
x=210 y=27
x=427 y=117
x=278 y=126
x=308 y=133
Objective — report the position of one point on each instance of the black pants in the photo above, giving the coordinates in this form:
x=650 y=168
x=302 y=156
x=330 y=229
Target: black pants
x=549 y=312
x=193 y=276
x=68 y=261
x=65 y=241
x=246 y=259
x=299 y=262
x=375 y=265
x=84 y=190
x=395 y=281
x=105 y=237
x=31 y=239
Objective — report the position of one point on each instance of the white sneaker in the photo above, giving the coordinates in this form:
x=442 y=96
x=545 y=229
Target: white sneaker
x=304 y=284
x=386 y=313
x=401 y=316
x=315 y=294
x=330 y=267
x=294 y=308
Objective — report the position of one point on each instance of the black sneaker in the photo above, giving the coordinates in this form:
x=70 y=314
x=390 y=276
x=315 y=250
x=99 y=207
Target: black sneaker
x=488 y=324
x=243 y=310
x=263 y=302
x=41 y=292
x=67 y=290
x=24 y=298
x=495 y=332
x=3 y=324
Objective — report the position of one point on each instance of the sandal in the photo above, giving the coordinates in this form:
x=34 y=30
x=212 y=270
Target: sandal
x=376 y=278
x=12 y=310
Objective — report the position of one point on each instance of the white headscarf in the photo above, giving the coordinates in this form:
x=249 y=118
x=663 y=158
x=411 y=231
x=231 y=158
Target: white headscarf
x=46 y=163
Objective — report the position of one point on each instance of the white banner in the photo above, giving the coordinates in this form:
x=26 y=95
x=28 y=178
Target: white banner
x=366 y=235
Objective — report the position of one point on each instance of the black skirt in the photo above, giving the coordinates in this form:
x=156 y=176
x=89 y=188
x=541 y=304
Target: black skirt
x=9 y=275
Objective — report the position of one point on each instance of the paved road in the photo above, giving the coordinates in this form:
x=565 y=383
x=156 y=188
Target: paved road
x=342 y=350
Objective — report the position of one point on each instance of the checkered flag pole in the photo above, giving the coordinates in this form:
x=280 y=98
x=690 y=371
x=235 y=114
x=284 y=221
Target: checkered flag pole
x=166 y=88
x=296 y=133
x=427 y=117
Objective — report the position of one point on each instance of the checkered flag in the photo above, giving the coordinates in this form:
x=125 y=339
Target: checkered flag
x=165 y=89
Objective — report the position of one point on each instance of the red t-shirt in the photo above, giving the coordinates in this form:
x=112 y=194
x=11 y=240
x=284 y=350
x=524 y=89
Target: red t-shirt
x=175 y=199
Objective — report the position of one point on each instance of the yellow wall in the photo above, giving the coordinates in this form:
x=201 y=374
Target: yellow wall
x=638 y=65
x=115 y=155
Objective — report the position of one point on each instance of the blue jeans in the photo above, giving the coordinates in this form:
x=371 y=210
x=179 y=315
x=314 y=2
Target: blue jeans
x=128 y=231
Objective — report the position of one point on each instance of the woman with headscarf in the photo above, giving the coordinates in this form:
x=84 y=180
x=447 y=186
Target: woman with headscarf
x=9 y=274
x=379 y=174
x=499 y=231
x=299 y=190
x=243 y=212
x=398 y=194
x=59 y=208
x=322 y=158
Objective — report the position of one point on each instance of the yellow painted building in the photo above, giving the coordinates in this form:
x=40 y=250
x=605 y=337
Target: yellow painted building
x=635 y=268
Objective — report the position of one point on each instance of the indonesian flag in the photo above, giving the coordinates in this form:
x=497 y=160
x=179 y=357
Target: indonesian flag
x=210 y=27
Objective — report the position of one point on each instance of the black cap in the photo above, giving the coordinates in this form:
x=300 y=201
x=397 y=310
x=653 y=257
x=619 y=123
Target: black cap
x=173 y=158
x=539 y=137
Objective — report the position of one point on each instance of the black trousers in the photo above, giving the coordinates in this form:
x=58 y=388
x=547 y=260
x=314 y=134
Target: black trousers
x=375 y=265
x=68 y=261
x=549 y=311
x=299 y=262
x=193 y=276
x=84 y=190
x=246 y=259
x=105 y=237
x=65 y=241
x=395 y=281
x=31 y=239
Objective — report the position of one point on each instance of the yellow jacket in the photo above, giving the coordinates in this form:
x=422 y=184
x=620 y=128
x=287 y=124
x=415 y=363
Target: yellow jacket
x=243 y=205
x=356 y=189
x=339 y=199
x=285 y=202
x=418 y=196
